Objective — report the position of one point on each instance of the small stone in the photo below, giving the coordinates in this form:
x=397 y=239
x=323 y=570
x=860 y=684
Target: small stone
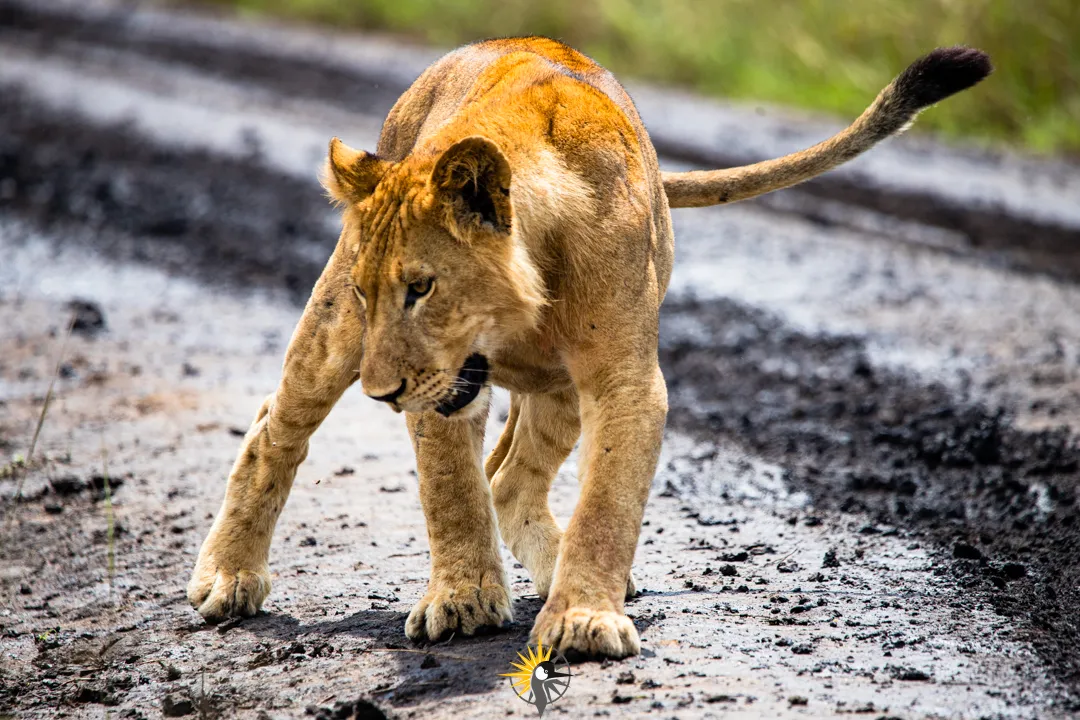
x=908 y=674
x=964 y=551
x=67 y=485
x=1014 y=571
x=176 y=706
x=703 y=451
x=87 y=318
x=719 y=699
x=787 y=566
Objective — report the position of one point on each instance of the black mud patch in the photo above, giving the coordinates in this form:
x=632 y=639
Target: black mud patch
x=1000 y=501
x=228 y=222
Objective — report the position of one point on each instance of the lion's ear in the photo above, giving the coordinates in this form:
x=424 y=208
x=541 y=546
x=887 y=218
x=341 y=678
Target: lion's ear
x=351 y=175
x=473 y=179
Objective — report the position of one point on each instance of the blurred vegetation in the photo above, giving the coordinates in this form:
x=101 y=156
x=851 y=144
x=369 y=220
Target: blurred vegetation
x=820 y=54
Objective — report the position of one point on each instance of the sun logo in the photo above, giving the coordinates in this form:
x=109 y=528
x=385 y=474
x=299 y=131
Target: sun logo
x=539 y=680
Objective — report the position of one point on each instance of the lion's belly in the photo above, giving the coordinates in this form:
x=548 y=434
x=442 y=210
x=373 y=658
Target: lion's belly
x=528 y=373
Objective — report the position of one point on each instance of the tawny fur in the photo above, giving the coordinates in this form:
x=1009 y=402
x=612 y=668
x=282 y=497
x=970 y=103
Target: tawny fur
x=514 y=208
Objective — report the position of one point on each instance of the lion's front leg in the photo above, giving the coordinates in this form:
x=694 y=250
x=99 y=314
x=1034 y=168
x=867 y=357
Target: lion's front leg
x=467 y=591
x=232 y=573
x=623 y=410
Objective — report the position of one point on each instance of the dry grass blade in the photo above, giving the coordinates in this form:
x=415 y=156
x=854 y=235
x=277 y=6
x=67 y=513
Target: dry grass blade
x=110 y=534
x=41 y=417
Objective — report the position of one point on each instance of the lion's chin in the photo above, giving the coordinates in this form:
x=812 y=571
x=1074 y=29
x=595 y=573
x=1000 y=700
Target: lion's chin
x=472 y=385
x=476 y=406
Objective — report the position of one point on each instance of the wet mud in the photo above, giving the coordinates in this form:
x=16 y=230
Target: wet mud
x=999 y=501
x=799 y=599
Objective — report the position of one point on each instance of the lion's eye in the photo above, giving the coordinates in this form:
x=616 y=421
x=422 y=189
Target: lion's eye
x=417 y=290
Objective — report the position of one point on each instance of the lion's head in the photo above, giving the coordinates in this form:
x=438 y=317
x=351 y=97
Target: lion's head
x=439 y=274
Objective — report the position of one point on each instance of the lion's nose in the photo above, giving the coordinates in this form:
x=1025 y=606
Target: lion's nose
x=390 y=396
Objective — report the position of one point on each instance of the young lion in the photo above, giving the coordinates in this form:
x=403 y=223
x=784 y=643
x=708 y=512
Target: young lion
x=512 y=229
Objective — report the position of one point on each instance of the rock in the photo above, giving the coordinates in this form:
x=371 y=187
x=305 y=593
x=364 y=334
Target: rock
x=1014 y=571
x=87 y=318
x=787 y=566
x=907 y=673
x=703 y=451
x=360 y=709
x=98 y=483
x=964 y=551
x=176 y=706
x=68 y=485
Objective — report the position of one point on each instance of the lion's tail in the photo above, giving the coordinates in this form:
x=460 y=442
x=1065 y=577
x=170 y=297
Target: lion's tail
x=929 y=79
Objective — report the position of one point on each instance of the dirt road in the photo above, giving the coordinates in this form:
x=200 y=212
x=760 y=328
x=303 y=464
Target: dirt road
x=867 y=503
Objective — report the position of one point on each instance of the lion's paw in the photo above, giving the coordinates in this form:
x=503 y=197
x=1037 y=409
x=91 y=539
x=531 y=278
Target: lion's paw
x=219 y=594
x=580 y=632
x=464 y=608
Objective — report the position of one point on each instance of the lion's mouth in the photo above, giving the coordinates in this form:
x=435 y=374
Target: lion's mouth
x=470 y=380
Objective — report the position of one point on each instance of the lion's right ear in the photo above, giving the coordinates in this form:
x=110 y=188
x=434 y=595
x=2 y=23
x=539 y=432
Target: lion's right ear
x=351 y=175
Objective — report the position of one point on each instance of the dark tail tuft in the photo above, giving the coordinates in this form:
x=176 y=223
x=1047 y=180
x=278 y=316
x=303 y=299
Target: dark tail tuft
x=942 y=73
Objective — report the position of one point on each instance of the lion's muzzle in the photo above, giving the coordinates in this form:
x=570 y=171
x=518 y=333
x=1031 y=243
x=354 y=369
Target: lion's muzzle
x=470 y=380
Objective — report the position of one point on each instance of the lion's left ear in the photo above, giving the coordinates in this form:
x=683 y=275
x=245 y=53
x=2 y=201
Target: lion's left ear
x=351 y=175
x=473 y=179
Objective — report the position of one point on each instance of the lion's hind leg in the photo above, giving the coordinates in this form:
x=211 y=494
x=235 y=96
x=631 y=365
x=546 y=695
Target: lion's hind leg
x=546 y=428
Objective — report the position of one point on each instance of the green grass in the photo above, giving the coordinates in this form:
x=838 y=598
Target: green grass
x=819 y=54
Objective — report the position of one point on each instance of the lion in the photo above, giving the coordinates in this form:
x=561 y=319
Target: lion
x=512 y=229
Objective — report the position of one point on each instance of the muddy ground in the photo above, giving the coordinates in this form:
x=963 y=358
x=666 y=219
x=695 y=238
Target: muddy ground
x=867 y=503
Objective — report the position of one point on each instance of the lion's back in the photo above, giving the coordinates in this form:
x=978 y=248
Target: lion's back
x=465 y=74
